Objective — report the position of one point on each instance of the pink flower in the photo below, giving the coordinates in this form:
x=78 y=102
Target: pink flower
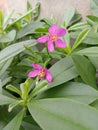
x=40 y=72
x=53 y=38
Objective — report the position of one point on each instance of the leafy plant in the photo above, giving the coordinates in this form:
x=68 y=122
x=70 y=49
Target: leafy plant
x=50 y=86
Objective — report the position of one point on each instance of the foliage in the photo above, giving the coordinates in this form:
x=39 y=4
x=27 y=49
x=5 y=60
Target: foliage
x=28 y=98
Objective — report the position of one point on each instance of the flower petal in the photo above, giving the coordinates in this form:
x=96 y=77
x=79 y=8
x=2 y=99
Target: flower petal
x=52 y=29
x=48 y=75
x=61 y=44
x=43 y=39
x=33 y=73
x=61 y=32
x=36 y=66
x=50 y=46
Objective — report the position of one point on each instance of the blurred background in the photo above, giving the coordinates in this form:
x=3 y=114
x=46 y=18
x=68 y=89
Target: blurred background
x=55 y=8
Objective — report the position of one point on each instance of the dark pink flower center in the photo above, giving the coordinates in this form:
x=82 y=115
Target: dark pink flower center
x=53 y=37
x=41 y=74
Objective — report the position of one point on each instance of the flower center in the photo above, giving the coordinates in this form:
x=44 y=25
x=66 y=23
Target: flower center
x=41 y=74
x=53 y=37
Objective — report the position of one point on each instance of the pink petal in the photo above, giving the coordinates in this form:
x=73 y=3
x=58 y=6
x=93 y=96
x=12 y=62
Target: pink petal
x=33 y=73
x=50 y=46
x=61 y=32
x=48 y=75
x=36 y=66
x=61 y=44
x=43 y=39
x=52 y=29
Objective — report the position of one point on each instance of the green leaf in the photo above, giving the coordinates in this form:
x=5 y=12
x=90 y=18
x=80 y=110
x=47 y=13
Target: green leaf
x=90 y=51
x=6 y=93
x=85 y=69
x=92 y=19
x=73 y=90
x=29 y=124
x=94 y=61
x=20 y=18
x=14 y=104
x=0 y=85
x=36 y=11
x=5 y=116
x=77 y=26
x=15 y=49
x=63 y=114
x=14 y=124
x=91 y=38
x=41 y=86
x=4 y=66
x=9 y=37
x=6 y=100
x=66 y=38
x=68 y=16
x=25 y=89
x=63 y=71
x=5 y=78
x=76 y=18
x=29 y=29
x=1 y=21
x=13 y=89
x=94 y=7
x=29 y=6
x=95 y=104
x=80 y=38
x=6 y=19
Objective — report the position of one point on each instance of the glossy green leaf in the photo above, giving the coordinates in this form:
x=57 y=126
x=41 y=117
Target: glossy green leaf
x=29 y=29
x=63 y=71
x=86 y=70
x=73 y=90
x=80 y=38
x=6 y=100
x=63 y=114
x=14 y=124
x=91 y=51
x=15 y=49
